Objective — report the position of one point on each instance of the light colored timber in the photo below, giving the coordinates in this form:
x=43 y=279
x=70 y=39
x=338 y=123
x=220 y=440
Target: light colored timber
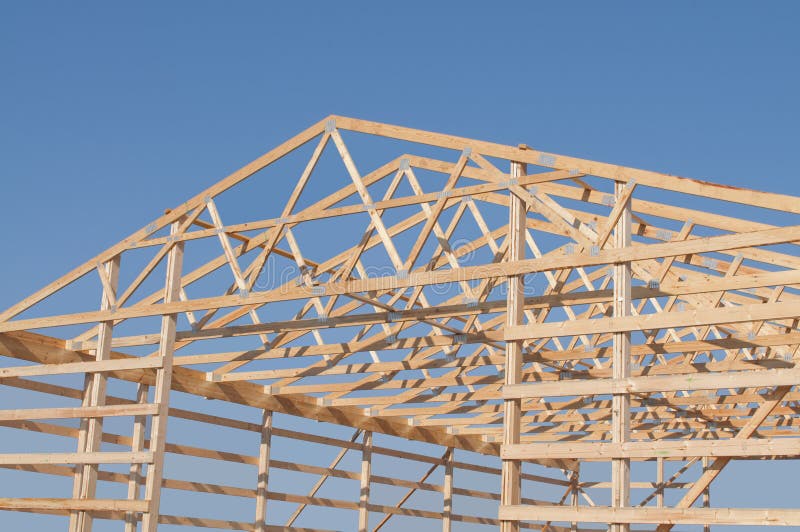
x=447 y=493
x=43 y=349
x=77 y=458
x=601 y=451
x=78 y=412
x=706 y=285
x=606 y=256
x=95 y=384
x=80 y=367
x=511 y=486
x=262 y=484
x=621 y=352
x=253 y=427
x=673 y=516
x=745 y=313
x=365 y=481
x=137 y=445
x=87 y=505
x=649 y=331
x=661 y=383
x=531 y=156
x=163 y=386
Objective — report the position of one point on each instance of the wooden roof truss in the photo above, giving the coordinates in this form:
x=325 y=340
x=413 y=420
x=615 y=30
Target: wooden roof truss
x=483 y=297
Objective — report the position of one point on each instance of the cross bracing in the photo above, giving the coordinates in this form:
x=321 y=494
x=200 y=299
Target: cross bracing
x=485 y=298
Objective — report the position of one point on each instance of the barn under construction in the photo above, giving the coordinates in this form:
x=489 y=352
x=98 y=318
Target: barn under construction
x=372 y=327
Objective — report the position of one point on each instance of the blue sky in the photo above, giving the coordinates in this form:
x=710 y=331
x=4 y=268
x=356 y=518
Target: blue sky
x=112 y=112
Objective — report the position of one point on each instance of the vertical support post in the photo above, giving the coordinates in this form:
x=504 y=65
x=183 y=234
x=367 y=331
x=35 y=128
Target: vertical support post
x=621 y=363
x=510 y=489
x=706 y=494
x=91 y=429
x=76 y=518
x=263 y=472
x=447 y=491
x=137 y=445
x=660 y=482
x=575 y=480
x=166 y=348
x=366 y=472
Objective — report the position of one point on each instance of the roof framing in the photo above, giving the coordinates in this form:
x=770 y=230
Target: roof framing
x=461 y=292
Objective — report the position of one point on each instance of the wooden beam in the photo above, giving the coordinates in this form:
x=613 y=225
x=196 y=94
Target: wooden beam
x=621 y=358
x=79 y=367
x=661 y=449
x=85 y=480
x=137 y=445
x=158 y=430
x=49 y=350
x=366 y=472
x=424 y=278
x=83 y=505
x=525 y=154
x=86 y=412
x=660 y=482
x=706 y=495
x=689 y=318
x=511 y=486
x=77 y=458
x=447 y=492
x=263 y=471
x=659 y=383
x=647 y=515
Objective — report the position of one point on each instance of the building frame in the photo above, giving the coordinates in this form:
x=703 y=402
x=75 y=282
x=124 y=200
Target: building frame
x=663 y=329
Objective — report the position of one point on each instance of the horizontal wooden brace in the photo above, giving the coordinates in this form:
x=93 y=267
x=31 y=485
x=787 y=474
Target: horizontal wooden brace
x=709 y=284
x=602 y=451
x=423 y=278
x=77 y=458
x=81 y=367
x=646 y=515
x=590 y=484
x=79 y=412
x=647 y=322
x=87 y=505
x=659 y=383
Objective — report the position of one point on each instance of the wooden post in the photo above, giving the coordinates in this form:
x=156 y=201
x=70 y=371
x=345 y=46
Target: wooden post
x=447 y=491
x=137 y=445
x=660 y=482
x=166 y=347
x=263 y=472
x=621 y=362
x=91 y=429
x=510 y=493
x=706 y=495
x=575 y=479
x=366 y=472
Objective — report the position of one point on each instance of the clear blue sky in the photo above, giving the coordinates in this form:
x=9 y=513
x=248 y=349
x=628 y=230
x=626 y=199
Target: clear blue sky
x=112 y=112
